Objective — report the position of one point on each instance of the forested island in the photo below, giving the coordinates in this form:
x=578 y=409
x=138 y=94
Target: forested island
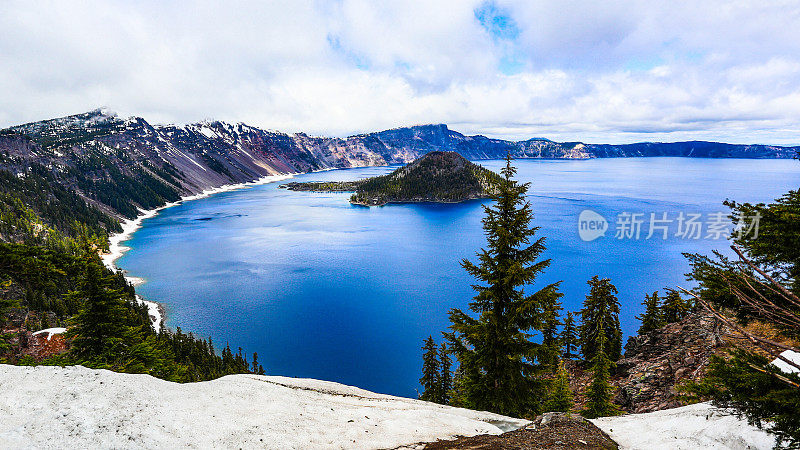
x=439 y=177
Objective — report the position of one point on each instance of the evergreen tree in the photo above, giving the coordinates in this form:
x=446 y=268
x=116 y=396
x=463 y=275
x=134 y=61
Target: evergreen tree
x=458 y=393
x=560 y=396
x=430 y=371
x=445 y=376
x=569 y=337
x=778 y=243
x=257 y=368
x=600 y=315
x=495 y=352
x=599 y=394
x=761 y=284
x=102 y=334
x=675 y=308
x=767 y=396
x=550 y=350
x=652 y=317
x=5 y=303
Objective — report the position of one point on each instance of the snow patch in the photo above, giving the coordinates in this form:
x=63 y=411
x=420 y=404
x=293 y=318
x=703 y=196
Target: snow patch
x=50 y=332
x=689 y=427
x=76 y=407
x=791 y=356
x=207 y=132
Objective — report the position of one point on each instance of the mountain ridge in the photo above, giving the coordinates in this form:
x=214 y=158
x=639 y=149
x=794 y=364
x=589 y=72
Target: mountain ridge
x=123 y=165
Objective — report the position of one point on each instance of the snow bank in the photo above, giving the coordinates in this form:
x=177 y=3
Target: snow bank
x=116 y=248
x=791 y=356
x=50 y=332
x=689 y=427
x=75 y=407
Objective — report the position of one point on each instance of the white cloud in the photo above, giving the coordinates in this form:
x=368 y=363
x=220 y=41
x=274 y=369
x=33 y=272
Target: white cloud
x=610 y=72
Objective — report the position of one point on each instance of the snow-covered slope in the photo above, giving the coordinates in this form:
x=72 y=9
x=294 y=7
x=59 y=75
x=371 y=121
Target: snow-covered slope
x=75 y=407
x=698 y=426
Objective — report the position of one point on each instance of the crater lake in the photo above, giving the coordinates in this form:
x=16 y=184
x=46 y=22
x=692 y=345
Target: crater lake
x=323 y=289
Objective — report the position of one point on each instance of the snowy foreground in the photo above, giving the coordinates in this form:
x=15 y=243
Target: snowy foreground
x=75 y=407
x=698 y=426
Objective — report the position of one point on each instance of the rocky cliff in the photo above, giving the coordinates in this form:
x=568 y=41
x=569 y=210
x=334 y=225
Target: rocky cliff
x=656 y=363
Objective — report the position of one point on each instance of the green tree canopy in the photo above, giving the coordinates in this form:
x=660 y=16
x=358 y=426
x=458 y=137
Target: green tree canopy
x=600 y=393
x=675 y=308
x=560 y=396
x=600 y=320
x=652 y=318
x=430 y=371
x=569 y=337
x=495 y=350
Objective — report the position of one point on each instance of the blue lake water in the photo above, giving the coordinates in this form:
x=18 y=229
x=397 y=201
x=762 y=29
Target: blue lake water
x=326 y=290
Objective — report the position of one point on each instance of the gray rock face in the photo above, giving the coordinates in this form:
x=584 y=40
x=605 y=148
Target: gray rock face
x=657 y=362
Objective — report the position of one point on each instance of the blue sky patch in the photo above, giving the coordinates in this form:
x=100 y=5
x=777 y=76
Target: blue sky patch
x=497 y=21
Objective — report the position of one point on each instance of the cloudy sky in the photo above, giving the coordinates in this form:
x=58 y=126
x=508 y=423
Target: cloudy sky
x=568 y=70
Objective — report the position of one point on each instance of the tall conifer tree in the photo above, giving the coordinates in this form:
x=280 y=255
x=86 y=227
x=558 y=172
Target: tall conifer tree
x=652 y=318
x=600 y=315
x=445 y=374
x=5 y=303
x=675 y=308
x=550 y=350
x=430 y=371
x=560 y=397
x=496 y=355
x=102 y=333
x=569 y=337
x=599 y=393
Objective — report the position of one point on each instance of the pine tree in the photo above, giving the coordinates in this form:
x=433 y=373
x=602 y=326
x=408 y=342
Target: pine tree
x=599 y=393
x=560 y=396
x=675 y=308
x=445 y=376
x=496 y=355
x=600 y=312
x=430 y=371
x=569 y=337
x=5 y=303
x=762 y=283
x=652 y=318
x=550 y=349
x=102 y=334
x=457 y=393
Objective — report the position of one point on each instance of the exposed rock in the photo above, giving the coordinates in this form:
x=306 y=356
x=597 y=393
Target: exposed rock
x=22 y=325
x=656 y=363
x=548 y=431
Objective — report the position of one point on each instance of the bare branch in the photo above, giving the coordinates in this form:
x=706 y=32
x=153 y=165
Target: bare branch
x=760 y=342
